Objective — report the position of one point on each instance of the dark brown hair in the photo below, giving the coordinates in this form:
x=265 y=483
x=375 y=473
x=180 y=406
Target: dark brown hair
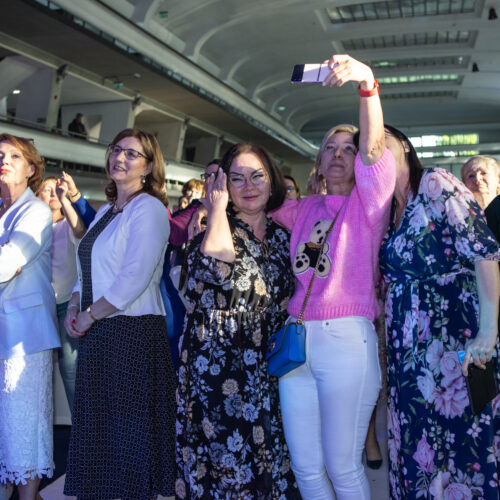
x=31 y=155
x=278 y=186
x=295 y=185
x=155 y=180
x=416 y=167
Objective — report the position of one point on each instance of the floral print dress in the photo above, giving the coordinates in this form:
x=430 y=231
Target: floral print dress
x=230 y=442
x=437 y=448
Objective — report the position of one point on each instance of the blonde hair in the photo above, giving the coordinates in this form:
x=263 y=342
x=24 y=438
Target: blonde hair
x=316 y=182
x=30 y=154
x=488 y=160
x=45 y=180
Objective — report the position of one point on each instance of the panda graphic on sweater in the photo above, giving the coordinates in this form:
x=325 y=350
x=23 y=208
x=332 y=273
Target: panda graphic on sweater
x=308 y=253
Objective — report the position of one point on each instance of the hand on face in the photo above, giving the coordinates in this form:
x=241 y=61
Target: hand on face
x=217 y=195
x=249 y=184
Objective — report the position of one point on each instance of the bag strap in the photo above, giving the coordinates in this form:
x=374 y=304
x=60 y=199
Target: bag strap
x=308 y=293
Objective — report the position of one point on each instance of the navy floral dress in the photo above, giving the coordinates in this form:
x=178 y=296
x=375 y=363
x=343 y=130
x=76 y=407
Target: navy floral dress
x=230 y=442
x=437 y=448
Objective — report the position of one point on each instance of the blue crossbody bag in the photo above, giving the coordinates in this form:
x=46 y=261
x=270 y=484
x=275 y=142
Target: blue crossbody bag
x=286 y=349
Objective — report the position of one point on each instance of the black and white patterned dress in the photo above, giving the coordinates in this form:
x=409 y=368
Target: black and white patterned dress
x=122 y=440
x=230 y=441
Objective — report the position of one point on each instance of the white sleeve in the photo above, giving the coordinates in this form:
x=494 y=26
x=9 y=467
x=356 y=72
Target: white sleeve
x=30 y=236
x=149 y=229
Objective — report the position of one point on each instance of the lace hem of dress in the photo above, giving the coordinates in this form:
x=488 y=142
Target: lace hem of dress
x=22 y=475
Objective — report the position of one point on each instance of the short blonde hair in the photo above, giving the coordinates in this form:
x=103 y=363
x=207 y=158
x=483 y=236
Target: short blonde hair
x=488 y=160
x=315 y=178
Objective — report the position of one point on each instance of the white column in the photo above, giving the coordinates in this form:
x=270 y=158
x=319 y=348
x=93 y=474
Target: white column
x=39 y=99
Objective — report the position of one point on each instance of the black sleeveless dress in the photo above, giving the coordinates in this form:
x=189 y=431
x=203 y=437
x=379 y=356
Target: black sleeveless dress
x=123 y=436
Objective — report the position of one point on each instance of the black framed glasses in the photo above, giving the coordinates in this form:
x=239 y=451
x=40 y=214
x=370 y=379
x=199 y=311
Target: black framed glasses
x=130 y=154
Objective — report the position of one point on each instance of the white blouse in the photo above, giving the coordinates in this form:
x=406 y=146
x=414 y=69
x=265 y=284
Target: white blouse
x=127 y=257
x=63 y=259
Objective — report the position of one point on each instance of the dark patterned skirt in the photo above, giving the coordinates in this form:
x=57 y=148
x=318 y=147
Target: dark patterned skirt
x=123 y=438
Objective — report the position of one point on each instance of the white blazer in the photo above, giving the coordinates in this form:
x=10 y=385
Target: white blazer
x=127 y=257
x=27 y=302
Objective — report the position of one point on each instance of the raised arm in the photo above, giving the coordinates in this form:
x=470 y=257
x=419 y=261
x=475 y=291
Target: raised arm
x=218 y=241
x=371 y=121
x=73 y=219
x=79 y=203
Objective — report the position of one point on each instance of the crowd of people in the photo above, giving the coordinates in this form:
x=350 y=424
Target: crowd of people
x=174 y=397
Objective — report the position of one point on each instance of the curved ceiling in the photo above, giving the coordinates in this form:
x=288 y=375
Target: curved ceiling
x=438 y=61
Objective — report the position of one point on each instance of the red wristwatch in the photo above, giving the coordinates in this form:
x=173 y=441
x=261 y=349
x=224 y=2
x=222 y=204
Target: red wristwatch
x=368 y=93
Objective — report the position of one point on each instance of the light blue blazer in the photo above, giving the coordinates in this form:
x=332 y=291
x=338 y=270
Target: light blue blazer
x=27 y=302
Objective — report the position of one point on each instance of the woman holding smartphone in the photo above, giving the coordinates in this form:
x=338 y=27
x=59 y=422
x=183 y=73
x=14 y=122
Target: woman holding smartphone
x=328 y=401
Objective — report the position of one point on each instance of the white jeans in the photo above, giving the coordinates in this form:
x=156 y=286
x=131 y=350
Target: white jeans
x=326 y=405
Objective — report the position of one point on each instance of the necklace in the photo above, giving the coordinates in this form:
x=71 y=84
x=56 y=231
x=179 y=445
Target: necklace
x=119 y=210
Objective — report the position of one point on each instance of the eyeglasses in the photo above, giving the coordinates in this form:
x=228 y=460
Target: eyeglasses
x=130 y=154
x=289 y=189
x=204 y=177
x=257 y=179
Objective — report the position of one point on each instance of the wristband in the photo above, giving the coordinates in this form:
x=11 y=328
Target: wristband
x=92 y=317
x=368 y=93
x=71 y=196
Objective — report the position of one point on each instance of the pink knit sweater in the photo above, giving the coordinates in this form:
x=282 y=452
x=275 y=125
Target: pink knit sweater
x=345 y=285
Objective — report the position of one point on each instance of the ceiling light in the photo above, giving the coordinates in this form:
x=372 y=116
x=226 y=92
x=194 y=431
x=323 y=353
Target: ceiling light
x=492 y=14
x=16 y=91
x=281 y=108
x=475 y=68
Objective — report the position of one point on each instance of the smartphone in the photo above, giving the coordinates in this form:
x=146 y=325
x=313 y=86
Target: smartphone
x=482 y=385
x=310 y=73
x=461 y=356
